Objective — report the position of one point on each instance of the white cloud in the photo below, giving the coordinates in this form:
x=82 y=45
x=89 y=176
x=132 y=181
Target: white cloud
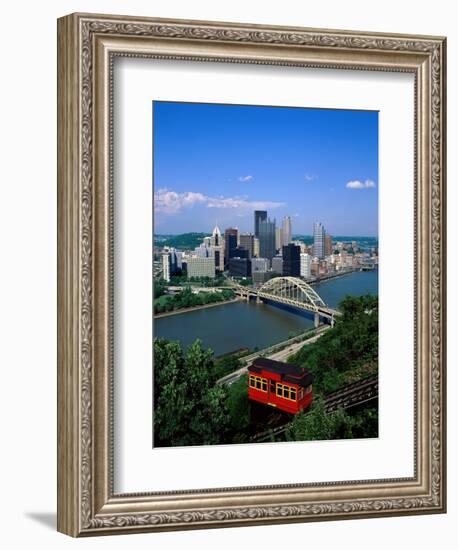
x=171 y=202
x=309 y=177
x=245 y=178
x=357 y=184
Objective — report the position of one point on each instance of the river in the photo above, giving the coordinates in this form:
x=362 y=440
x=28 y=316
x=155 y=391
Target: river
x=230 y=327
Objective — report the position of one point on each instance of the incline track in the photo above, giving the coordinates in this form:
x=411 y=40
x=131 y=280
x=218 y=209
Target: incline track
x=351 y=395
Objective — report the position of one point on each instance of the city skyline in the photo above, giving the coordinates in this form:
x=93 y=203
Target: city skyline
x=216 y=164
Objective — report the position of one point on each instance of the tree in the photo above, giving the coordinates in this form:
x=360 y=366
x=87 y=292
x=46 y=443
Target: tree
x=318 y=425
x=238 y=406
x=351 y=343
x=189 y=409
x=226 y=365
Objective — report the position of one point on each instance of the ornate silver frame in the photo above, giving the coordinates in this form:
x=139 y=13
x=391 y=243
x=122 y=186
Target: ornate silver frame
x=87 y=45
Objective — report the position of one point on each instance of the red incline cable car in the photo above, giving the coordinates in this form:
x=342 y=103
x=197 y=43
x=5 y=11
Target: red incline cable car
x=280 y=385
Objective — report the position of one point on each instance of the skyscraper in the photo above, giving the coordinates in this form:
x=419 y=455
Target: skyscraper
x=166 y=266
x=267 y=238
x=277 y=264
x=230 y=243
x=291 y=260
x=318 y=240
x=327 y=245
x=256 y=247
x=278 y=238
x=259 y=215
x=247 y=242
x=286 y=230
x=217 y=247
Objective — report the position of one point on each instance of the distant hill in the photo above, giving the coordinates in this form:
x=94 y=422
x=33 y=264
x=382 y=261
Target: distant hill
x=185 y=241
x=363 y=242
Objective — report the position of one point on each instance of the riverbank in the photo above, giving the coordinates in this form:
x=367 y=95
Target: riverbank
x=196 y=308
x=250 y=325
x=333 y=276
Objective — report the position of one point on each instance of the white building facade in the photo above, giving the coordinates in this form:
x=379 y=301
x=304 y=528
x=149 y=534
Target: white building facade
x=306 y=265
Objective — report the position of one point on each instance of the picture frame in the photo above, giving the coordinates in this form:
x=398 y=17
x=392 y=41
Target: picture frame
x=87 y=46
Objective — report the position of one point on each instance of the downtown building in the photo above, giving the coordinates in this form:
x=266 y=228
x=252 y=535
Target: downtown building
x=231 y=237
x=291 y=260
x=239 y=263
x=247 y=242
x=278 y=238
x=259 y=216
x=286 y=231
x=277 y=264
x=217 y=248
x=201 y=267
x=171 y=262
x=306 y=265
x=328 y=245
x=319 y=240
x=267 y=238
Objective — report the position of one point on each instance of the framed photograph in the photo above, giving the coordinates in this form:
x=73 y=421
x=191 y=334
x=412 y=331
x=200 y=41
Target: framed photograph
x=251 y=284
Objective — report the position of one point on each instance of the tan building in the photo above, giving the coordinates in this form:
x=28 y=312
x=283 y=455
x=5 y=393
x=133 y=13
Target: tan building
x=201 y=267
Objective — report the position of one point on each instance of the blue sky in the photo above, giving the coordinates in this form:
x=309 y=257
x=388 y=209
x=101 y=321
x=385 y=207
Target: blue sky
x=219 y=163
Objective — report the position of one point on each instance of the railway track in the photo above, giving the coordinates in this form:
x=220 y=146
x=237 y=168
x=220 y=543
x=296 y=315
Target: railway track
x=349 y=396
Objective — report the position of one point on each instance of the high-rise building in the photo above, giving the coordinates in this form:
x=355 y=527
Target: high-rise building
x=247 y=242
x=327 y=245
x=286 y=230
x=278 y=238
x=259 y=265
x=230 y=243
x=240 y=252
x=267 y=238
x=256 y=247
x=291 y=260
x=203 y=251
x=171 y=262
x=217 y=247
x=239 y=267
x=306 y=265
x=166 y=266
x=318 y=240
x=201 y=267
x=277 y=264
x=259 y=215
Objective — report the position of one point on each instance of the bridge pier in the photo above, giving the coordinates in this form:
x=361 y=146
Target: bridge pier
x=317 y=320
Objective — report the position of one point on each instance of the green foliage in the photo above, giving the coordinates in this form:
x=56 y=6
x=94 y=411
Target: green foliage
x=318 y=425
x=186 y=241
x=247 y=281
x=159 y=288
x=239 y=409
x=226 y=365
x=352 y=342
x=365 y=423
x=186 y=298
x=189 y=409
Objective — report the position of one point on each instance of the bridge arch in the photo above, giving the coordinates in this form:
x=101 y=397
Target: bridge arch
x=292 y=288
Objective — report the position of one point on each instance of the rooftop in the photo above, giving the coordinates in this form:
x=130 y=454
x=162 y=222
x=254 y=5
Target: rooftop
x=287 y=371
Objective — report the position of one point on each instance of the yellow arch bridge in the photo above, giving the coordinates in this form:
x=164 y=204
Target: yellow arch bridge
x=293 y=292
